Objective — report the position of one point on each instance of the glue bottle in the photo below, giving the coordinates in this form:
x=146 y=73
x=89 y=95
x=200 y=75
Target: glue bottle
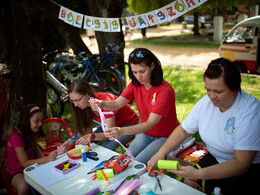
x=217 y=191
x=84 y=154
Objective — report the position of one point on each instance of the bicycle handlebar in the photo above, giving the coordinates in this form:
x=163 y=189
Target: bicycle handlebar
x=57 y=51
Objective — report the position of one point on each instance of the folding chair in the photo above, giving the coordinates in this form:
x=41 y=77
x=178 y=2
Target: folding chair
x=53 y=129
x=9 y=188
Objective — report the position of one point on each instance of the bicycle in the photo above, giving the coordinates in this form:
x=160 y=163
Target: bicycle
x=113 y=59
x=102 y=79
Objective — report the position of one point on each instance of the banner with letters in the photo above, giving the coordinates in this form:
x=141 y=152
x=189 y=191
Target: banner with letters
x=159 y=16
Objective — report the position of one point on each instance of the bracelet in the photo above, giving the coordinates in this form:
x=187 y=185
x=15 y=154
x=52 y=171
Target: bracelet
x=92 y=137
x=102 y=104
x=193 y=179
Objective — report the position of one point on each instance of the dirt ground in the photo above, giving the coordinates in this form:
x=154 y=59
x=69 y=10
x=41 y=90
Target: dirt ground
x=174 y=56
x=179 y=56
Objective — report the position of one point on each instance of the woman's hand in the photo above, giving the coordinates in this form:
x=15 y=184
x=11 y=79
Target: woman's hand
x=52 y=156
x=113 y=133
x=192 y=184
x=154 y=160
x=94 y=104
x=187 y=172
x=84 y=140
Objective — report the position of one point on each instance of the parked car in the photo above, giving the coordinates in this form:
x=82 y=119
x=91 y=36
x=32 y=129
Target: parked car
x=189 y=19
x=241 y=45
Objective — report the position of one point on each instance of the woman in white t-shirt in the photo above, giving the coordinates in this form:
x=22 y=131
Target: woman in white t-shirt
x=228 y=121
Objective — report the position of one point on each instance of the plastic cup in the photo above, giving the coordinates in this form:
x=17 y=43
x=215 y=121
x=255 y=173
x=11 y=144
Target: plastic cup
x=168 y=164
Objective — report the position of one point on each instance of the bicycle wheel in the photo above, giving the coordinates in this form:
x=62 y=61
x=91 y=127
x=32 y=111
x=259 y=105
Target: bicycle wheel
x=109 y=81
x=53 y=99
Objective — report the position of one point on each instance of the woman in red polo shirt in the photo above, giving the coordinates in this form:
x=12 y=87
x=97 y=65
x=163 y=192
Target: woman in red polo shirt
x=155 y=100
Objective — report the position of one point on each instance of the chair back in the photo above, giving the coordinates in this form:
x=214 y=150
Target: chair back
x=9 y=188
x=53 y=129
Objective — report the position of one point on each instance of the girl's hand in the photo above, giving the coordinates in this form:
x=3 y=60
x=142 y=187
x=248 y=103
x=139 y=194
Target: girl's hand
x=113 y=133
x=66 y=144
x=84 y=140
x=52 y=156
x=94 y=104
x=154 y=160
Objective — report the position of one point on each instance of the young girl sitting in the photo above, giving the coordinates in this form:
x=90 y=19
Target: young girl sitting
x=22 y=149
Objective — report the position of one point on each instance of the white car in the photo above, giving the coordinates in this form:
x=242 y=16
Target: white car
x=240 y=45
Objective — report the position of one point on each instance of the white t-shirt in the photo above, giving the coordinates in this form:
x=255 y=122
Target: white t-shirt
x=238 y=128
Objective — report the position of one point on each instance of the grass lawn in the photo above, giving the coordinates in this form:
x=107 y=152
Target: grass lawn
x=189 y=88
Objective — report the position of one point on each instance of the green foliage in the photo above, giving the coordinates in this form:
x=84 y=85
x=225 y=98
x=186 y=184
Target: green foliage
x=144 y=6
x=219 y=7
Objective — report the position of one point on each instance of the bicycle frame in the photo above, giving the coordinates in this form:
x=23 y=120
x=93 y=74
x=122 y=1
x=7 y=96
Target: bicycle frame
x=86 y=66
x=57 y=85
x=107 y=58
x=63 y=69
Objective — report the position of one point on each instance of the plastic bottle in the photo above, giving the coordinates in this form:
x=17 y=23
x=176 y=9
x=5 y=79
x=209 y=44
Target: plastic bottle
x=217 y=191
x=84 y=154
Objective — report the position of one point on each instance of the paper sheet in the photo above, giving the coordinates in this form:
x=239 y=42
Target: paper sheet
x=46 y=175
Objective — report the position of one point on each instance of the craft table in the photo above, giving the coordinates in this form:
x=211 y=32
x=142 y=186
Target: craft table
x=169 y=186
x=41 y=176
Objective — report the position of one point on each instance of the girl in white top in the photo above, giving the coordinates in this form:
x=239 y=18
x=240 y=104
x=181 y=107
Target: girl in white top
x=228 y=121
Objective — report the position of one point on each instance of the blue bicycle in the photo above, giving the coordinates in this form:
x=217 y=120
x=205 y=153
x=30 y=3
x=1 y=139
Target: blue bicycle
x=105 y=79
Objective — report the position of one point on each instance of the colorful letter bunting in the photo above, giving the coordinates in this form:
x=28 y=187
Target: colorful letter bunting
x=161 y=15
x=151 y=18
x=78 y=20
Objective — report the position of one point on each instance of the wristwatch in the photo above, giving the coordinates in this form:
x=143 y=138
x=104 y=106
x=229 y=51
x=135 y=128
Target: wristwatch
x=92 y=137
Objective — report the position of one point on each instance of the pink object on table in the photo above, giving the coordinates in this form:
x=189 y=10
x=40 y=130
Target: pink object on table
x=60 y=149
x=128 y=186
x=104 y=127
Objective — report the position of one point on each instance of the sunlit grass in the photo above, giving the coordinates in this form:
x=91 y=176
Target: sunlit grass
x=189 y=88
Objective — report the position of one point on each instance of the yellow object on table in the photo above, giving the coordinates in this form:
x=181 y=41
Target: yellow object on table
x=78 y=150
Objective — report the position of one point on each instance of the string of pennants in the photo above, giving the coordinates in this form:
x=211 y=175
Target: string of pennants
x=161 y=15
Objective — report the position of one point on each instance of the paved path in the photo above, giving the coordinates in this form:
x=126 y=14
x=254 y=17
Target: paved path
x=174 y=56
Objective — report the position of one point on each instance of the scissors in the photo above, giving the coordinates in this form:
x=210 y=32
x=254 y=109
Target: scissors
x=156 y=176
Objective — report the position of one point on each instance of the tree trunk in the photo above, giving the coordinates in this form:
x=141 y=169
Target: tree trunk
x=196 y=23
x=28 y=85
x=94 y=8
x=5 y=31
x=70 y=33
x=115 y=10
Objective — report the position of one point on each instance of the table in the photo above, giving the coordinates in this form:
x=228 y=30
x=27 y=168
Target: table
x=80 y=182
x=169 y=186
